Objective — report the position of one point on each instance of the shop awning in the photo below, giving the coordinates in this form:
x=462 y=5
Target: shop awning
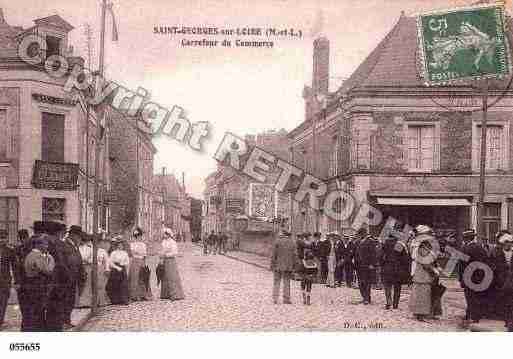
x=411 y=201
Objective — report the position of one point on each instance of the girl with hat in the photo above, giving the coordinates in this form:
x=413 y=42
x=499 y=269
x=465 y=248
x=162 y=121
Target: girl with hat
x=117 y=284
x=138 y=289
x=171 y=287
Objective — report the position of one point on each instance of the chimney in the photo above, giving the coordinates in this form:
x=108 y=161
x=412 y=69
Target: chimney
x=321 y=66
x=163 y=171
x=2 y=19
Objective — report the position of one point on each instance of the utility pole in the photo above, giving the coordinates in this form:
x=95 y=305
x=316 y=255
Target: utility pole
x=88 y=34
x=138 y=184
x=94 y=278
x=482 y=163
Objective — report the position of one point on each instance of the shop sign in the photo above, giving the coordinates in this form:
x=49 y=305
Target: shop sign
x=53 y=100
x=55 y=176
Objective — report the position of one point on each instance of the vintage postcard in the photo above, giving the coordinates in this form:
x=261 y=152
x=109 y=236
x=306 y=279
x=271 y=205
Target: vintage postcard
x=270 y=166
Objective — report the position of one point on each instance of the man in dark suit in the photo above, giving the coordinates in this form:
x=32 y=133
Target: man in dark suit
x=76 y=273
x=366 y=266
x=60 y=276
x=7 y=264
x=22 y=251
x=283 y=260
x=503 y=275
x=323 y=252
x=477 y=254
x=340 y=248
x=348 y=257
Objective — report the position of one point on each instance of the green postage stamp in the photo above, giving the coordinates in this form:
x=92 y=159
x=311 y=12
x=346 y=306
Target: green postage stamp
x=463 y=44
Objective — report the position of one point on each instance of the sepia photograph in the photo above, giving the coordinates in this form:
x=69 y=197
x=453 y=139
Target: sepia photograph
x=262 y=167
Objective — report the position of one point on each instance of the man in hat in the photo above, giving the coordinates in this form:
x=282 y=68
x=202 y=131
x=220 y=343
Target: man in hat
x=54 y=231
x=503 y=275
x=7 y=263
x=323 y=252
x=348 y=254
x=76 y=271
x=476 y=254
x=339 y=257
x=366 y=266
x=21 y=252
x=38 y=268
x=283 y=260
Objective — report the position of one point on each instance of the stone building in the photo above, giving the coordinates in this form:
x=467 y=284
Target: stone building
x=229 y=194
x=42 y=137
x=410 y=151
x=132 y=183
x=176 y=202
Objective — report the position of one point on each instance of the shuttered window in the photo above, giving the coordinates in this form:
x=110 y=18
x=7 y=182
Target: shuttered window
x=494 y=147
x=421 y=148
x=52 y=137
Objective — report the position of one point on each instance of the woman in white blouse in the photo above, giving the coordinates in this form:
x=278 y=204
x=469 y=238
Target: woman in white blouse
x=84 y=299
x=171 y=283
x=138 y=288
x=117 y=285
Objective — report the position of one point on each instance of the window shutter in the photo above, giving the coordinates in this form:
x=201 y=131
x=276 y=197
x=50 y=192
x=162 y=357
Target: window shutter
x=3 y=135
x=413 y=147
x=426 y=147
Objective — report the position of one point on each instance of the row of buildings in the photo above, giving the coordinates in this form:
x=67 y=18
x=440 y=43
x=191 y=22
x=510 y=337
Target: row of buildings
x=48 y=138
x=410 y=151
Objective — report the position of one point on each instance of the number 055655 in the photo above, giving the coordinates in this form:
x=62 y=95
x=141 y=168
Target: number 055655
x=24 y=347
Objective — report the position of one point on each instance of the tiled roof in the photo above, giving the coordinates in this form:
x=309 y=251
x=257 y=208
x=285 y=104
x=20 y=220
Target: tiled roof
x=393 y=62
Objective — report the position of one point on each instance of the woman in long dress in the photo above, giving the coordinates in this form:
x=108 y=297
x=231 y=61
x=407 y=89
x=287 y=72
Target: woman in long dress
x=117 y=285
x=171 y=287
x=425 y=272
x=138 y=289
x=84 y=295
x=103 y=276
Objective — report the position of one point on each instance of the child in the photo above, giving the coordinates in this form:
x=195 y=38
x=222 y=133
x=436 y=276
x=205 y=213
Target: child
x=309 y=275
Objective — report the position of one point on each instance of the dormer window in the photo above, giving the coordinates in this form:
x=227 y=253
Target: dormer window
x=53 y=45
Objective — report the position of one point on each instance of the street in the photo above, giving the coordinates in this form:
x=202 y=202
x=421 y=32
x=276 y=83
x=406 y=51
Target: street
x=224 y=294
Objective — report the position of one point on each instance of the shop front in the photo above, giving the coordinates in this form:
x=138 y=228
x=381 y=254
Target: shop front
x=444 y=215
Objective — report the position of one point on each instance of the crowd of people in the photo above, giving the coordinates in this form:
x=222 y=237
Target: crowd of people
x=52 y=269
x=359 y=260
x=216 y=243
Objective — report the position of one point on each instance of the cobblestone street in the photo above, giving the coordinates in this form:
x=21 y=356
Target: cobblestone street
x=226 y=294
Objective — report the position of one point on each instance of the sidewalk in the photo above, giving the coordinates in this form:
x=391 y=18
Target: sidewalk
x=13 y=318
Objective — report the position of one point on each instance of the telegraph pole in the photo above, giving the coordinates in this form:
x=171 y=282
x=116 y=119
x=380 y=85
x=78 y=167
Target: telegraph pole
x=94 y=278
x=482 y=163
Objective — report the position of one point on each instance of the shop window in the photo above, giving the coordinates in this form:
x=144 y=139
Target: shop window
x=52 y=137
x=492 y=219
x=9 y=217
x=54 y=209
x=421 y=148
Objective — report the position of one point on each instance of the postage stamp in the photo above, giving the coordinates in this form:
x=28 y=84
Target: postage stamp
x=463 y=44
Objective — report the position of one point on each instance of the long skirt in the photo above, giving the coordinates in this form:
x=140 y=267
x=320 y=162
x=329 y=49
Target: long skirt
x=171 y=287
x=84 y=298
x=138 y=290
x=420 y=299
x=103 y=298
x=331 y=271
x=117 y=287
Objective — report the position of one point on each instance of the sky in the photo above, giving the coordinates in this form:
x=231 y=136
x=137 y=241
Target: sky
x=237 y=89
